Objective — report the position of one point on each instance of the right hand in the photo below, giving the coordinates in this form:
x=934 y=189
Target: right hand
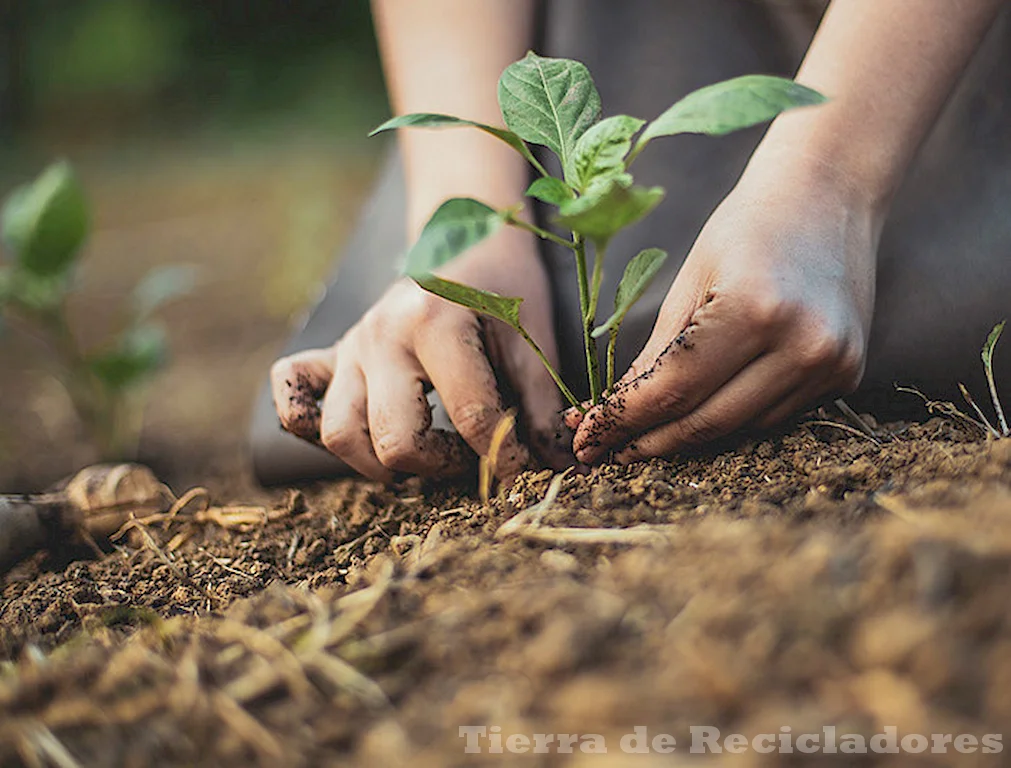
x=364 y=399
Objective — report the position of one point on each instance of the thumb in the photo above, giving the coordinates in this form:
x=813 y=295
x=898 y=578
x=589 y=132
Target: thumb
x=297 y=383
x=686 y=296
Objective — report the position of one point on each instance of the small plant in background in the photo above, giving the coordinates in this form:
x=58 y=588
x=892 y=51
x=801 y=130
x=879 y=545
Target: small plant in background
x=1001 y=429
x=44 y=225
x=554 y=103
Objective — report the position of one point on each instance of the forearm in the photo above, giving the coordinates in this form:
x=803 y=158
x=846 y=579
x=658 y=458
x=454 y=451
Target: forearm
x=887 y=66
x=446 y=56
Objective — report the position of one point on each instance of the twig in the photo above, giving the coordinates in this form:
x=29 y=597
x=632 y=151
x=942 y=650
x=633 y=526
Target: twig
x=982 y=417
x=639 y=534
x=489 y=462
x=176 y=571
x=527 y=525
x=292 y=548
x=183 y=501
x=896 y=507
x=224 y=566
x=942 y=407
x=248 y=728
x=344 y=676
x=263 y=646
x=843 y=427
x=857 y=419
x=46 y=742
x=531 y=516
x=346 y=547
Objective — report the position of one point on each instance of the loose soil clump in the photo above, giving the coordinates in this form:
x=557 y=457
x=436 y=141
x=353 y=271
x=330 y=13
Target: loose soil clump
x=812 y=578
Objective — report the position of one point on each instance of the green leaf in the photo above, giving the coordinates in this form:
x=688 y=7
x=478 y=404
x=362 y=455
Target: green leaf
x=638 y=275
x=6 y=285
x=457 y=225
x=600 y=152
x=37 y=292
x=434 y=120
x=501 y=308
x=550 y=190
x=550 y=102
x=615 y=206
x=5 y=296
x=730 y=106
x=991 y=342
x=139 y=352
x=46 y=222
x=160 y=286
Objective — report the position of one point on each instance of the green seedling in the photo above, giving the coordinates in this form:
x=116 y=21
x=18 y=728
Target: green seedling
x=986 y=354
x=553 y=103
x=44 y=226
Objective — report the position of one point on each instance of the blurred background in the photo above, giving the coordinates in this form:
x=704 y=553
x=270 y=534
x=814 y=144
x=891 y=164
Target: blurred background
x=230 y=135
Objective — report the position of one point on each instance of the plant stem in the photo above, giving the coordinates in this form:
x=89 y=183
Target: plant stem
x=996 y=399
x=612 y=338
x=537 y=166
x=639 y=147
x=98 y=408
x=979 y=412
x=513 y=221
x=599 y=249
x=551 y=369
x=589 y=344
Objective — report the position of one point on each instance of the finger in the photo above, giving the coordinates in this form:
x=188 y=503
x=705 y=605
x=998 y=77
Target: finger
x=801 y=399
x=765 y=382
x=454 y=358
x=297 y=383
x=345 y=427
x=400 y=421
x=715 y=346
x=574 y=417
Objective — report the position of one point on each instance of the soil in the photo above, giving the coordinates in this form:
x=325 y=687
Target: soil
x=810 y=578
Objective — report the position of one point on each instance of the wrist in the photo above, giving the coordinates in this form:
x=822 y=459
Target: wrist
x=818 y=171
x=439 y=165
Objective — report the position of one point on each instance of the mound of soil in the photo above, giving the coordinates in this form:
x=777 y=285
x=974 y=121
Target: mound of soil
x=814 y=578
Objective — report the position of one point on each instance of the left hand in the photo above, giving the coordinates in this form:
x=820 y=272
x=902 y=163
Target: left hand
x=770 y=312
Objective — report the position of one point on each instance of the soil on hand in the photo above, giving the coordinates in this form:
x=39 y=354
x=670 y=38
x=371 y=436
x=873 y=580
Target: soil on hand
x=811 y=578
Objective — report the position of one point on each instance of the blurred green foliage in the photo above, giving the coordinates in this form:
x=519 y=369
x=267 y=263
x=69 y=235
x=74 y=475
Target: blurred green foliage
x=117 y=46
x=220 y=64
x=44 y=224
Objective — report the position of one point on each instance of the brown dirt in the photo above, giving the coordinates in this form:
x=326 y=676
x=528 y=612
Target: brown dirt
x=806 y=579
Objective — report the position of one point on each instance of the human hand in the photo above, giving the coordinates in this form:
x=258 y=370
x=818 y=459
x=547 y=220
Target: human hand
x=770 y=312
x=364 y=398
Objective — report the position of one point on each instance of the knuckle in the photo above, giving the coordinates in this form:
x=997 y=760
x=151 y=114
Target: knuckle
x=475 y=420
x=336 y=438
x=280 y=370
x=701 y=428
x=395 y=450
x=670 y=401
x=852 y=363
x=819 y=348
x=429 y=308
x=766 y=309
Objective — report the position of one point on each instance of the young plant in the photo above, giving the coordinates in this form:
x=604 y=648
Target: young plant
x=553 y=103
x=44 y=225
x=1001 y=429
